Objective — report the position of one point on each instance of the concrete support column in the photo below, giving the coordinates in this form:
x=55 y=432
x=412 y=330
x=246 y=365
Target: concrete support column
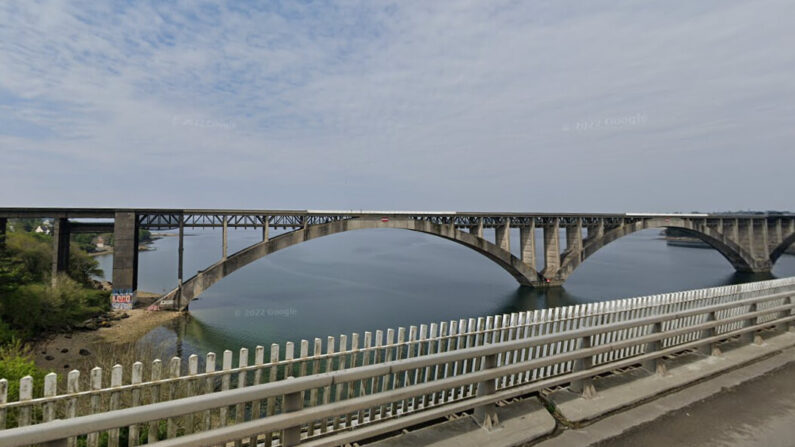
x=597 y=231
x=181 y=249
x=502 y=235
x=265 y=228
x=3 y=224
x=734 y=231
x=125 y=257
x=551 y=250
x=745 y=235
x=477 y=230
x=60 y=247
x=224 y=244
x=775 y=234
x=180 y=259
x=574 y=237
x=761 y=250
x=527 y=244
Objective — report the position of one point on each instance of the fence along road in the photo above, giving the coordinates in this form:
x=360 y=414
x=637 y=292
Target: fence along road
x=393 y=380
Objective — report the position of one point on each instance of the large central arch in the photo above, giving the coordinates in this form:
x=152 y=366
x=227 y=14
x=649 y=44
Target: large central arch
x=204 y=279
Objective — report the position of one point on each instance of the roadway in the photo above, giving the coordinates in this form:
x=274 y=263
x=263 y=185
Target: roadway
x=759 y=412
x=753 y=405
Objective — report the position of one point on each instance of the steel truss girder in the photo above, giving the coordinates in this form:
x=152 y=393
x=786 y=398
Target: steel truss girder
x=159 y=221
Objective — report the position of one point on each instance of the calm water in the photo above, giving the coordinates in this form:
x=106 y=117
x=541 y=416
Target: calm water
x=379 y=279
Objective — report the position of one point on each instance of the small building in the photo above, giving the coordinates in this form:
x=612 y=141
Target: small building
x=100 y=243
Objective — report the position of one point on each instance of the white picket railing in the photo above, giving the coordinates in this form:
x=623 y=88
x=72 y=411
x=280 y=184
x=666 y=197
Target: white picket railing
x=620 y=324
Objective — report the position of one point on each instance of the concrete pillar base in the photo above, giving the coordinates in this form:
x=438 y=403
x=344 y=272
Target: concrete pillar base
x=550 y=283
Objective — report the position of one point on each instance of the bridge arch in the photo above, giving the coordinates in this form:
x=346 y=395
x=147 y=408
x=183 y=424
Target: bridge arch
x=738 y=256
x=204 y=279
x=780 y=248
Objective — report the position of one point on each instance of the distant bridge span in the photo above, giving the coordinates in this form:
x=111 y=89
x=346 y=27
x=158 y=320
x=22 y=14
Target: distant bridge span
x=750 y=242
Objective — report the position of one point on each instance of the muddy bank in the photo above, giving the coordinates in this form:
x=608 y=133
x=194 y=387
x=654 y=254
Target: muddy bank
x=64 y=352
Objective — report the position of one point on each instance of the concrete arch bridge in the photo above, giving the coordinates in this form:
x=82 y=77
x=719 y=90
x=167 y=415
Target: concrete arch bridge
x=750 y=242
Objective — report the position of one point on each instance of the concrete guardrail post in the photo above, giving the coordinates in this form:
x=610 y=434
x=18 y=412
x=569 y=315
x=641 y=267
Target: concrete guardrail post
x=486 y=415
x=750 y=337
x=710 y=348
x=292 y=402
x=583 y=386
x=656 y=365
x=791 y=325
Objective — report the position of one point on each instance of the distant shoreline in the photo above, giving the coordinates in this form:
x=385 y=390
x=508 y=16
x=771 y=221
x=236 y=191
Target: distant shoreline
x=109 y=250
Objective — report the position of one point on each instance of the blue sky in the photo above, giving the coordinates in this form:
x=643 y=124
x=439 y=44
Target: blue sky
x=468 y=105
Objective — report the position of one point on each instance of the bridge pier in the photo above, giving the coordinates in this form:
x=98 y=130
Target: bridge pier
x=224 y=236
x=596 y=231
x=775 y=235
x=180 y=261
x=125 y=260
x=527 y=244
x=502 y=235
x=574 y=237
x=60 y=248
x=551 y=250
x=477 y=230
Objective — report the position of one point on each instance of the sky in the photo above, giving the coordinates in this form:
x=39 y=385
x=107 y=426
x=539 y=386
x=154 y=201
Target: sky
x=544 y=106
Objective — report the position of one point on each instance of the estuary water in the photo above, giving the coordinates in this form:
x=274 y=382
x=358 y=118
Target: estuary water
x=385 y=278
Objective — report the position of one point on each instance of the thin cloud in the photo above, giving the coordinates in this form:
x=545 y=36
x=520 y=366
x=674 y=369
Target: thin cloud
x=469 y=105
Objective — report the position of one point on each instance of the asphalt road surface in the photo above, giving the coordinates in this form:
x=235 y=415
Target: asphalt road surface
x=760 y=412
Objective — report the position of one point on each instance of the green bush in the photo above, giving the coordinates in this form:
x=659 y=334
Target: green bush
x=32 y=254
x=31 y=305
x=7 y=334
x=39 y=308
x=16 y=362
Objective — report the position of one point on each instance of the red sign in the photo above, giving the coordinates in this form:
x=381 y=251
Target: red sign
x=384 y=219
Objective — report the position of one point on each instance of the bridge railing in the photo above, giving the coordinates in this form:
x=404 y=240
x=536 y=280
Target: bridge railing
x=529 y=348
